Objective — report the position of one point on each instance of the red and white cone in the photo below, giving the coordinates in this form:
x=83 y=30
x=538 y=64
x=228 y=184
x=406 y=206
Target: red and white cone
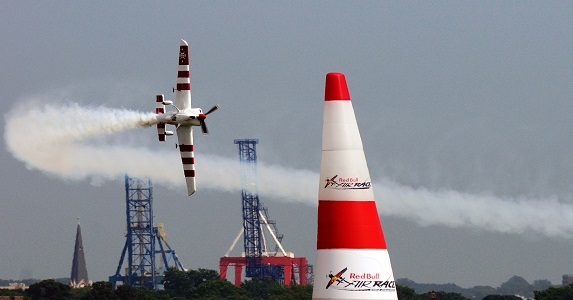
x=352 y=260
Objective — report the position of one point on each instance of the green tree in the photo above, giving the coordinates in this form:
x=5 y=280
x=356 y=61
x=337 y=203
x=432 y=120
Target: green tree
x=405 y=293
x=449 y=296
x=5 y=292
x=49 y=289
x=555 y=293
x=127 y=292
x=501 y=297
x=79 y=293
x=175 y=282
x=261 y=289
x=298 y=292
x=180 y=283
x=202 y=275
x=101 y=290
x=217 y=289
x=481 y=291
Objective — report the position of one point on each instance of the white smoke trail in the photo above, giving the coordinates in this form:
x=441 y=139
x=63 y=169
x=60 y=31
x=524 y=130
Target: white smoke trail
x=49 y=138
x=547 y=217
x=45 y=137
x=54 y=140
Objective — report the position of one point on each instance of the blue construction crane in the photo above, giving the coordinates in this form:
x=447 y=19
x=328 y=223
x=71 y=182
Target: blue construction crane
x=145 y=243
x=251 y=215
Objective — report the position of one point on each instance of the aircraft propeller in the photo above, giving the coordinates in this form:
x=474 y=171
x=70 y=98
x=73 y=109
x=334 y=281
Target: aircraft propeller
x=203 y=116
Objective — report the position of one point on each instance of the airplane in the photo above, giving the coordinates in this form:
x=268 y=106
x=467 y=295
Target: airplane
x=184 y=117
x=330 y=181
x=336 y=278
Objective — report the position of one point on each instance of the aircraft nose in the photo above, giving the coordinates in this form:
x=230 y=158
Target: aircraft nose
x=201 y=117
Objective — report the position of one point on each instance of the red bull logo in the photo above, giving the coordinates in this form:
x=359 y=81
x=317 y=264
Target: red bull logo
x=359 y=282
x=347 y=183
x=349 y=180
x=364 y=276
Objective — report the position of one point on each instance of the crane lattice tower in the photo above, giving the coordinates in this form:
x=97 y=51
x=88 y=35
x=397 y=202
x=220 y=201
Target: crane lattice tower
x=280 y=265
x=145 y=243
x=250 y=205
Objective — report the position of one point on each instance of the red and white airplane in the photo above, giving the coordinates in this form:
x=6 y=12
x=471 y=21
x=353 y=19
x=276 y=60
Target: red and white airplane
x=184 y=118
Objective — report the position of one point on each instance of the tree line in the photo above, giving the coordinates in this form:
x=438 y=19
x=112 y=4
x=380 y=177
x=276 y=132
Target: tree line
x=514 y=286
x=205 y=284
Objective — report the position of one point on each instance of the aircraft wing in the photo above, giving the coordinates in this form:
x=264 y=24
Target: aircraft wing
x=183 y=91
x=185 y=137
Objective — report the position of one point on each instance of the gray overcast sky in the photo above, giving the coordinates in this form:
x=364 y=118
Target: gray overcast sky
x=464 y=110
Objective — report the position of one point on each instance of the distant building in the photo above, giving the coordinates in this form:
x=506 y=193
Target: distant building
x=14 y=286
x=79 y=277
x=567 y=279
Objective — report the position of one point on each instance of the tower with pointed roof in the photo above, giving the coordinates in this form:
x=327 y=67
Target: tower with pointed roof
x=79 y=276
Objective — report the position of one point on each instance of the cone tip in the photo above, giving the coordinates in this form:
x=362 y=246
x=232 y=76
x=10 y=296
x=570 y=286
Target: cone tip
x=336 y=88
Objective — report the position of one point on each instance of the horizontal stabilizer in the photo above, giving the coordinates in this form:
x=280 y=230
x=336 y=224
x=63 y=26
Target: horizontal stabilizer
x=160 y=109
x=161 y=132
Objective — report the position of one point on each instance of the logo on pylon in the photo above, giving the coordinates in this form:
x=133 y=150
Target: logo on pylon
x=347 y=183
x=360 y=282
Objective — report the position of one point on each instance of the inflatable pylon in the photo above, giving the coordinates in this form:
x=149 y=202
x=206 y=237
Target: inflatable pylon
x=352 y=260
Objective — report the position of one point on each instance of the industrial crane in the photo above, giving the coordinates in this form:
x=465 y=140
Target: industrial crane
x=260 y=263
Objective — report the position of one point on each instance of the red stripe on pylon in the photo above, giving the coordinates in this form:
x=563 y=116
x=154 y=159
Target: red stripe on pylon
x=349 y=225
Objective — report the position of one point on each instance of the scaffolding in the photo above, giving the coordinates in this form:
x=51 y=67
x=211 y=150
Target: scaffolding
x=251 y=220
x=145 y=243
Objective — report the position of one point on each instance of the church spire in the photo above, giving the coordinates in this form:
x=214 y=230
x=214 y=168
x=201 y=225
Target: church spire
x=79 y=276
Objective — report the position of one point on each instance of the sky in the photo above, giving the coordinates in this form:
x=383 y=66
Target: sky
x=463 y=108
